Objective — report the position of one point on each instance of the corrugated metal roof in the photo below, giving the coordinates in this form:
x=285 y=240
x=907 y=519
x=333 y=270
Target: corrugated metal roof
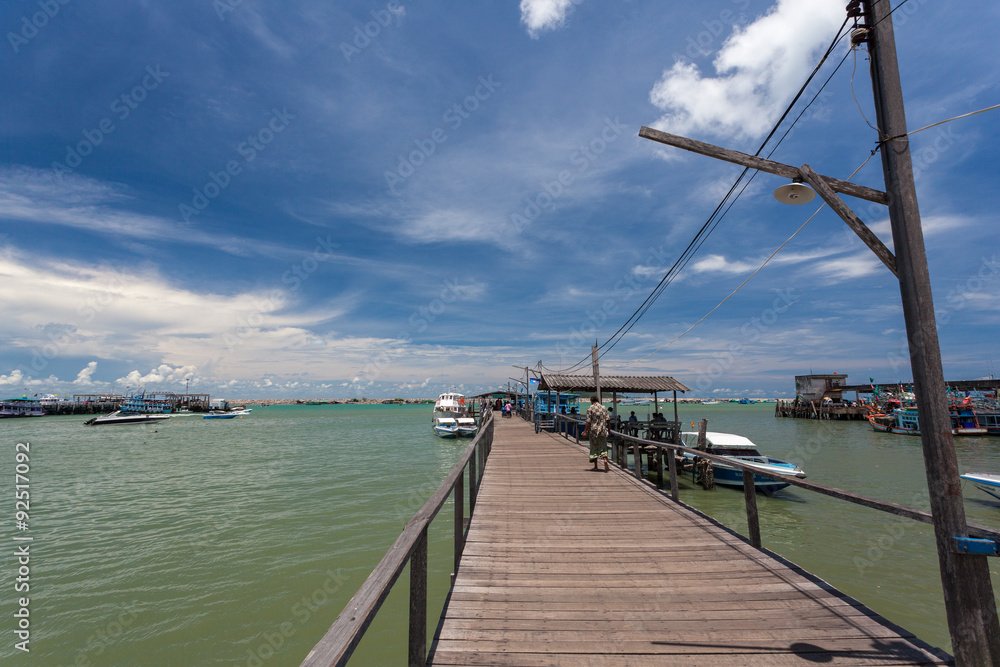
x=623 y=384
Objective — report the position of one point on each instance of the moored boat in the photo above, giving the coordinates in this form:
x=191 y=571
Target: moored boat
x=985 y=481
x=445 y=427
x=21 y=407
x=466 y=427
x=741 y=449
x=907 y=422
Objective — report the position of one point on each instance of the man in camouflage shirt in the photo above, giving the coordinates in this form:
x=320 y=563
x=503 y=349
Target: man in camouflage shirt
x=597 y=429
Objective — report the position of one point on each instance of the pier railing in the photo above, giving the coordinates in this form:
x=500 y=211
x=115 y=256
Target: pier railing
x=343 y=637
x=984 y=540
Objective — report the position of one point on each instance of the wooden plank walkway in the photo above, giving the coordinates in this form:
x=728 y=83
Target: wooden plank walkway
x=565 y=566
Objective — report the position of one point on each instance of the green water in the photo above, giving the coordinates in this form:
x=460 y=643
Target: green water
x=237 y=542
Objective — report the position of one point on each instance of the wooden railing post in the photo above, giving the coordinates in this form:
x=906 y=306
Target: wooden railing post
x=418 y=602
x=459 y=519
x=472 y=482
x=659 y=467
x=672 y=464
x=637 y=460
x=753 y=521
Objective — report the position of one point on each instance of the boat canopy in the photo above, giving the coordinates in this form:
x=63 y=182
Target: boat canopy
x=721 y=440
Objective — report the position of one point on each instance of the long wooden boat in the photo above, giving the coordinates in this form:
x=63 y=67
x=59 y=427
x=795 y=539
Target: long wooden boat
x=907 y=422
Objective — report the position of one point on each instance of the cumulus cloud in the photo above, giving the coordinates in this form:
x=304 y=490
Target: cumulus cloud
x=162 y=374
x=540 y=15
x=85 y=376
x=15 y=378
x=757 y=70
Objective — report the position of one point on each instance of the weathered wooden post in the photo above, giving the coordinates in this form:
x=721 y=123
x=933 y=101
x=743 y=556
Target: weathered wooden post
x=750 y=497
x=418 y=602
x=968 y=592
x=459 y=519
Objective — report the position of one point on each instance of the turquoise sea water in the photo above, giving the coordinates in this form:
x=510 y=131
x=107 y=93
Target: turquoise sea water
x=237 y=542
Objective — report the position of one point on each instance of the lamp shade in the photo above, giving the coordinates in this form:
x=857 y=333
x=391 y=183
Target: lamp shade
x=795 y=193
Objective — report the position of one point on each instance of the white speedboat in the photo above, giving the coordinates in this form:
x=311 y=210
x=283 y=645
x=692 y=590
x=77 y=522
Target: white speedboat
x=221 y=415
x=466 y=427
x=986 y=482
x=119 y=417
x=445 y=427
x=739 y=448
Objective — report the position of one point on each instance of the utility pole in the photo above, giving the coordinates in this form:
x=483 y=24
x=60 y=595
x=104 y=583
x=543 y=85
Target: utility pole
x=597 y=372
x=968 y=593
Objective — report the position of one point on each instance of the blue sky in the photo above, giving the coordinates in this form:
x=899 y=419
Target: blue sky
x=388 y=198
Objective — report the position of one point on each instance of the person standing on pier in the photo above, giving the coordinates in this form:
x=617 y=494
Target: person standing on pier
x=597 y=429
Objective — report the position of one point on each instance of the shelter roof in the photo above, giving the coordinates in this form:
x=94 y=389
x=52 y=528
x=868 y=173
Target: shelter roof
x=623 y=384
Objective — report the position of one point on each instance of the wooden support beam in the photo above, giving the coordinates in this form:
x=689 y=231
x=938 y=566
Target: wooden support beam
x=759 y=163
x=820 y=185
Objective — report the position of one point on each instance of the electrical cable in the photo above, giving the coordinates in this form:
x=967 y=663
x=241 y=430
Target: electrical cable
x=740 y=286
x=701 y=236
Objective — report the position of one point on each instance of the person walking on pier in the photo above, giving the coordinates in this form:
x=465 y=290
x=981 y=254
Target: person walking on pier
x=597 y=430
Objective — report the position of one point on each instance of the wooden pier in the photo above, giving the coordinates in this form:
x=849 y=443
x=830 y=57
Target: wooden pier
x=800 y=409
x=566 y=566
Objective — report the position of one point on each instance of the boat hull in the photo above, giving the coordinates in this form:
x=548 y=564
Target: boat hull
x=116 y=418
x=985 y=482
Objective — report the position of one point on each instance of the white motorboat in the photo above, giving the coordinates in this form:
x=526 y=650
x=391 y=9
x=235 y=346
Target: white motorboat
x=986 y=482
x=445 y=427
x=119 y=417
x=743 y=450
x=466 y=427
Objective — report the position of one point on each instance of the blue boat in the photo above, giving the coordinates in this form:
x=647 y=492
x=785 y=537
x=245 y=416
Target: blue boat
x=445 y=427
x=739 y=448
x=220 y=415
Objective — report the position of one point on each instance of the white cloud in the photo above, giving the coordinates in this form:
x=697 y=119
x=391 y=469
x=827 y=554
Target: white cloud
x=15 y=378
x=758 y=69
x=719 y=264
x=539 y=15
x=85 y=376
x=163 y=374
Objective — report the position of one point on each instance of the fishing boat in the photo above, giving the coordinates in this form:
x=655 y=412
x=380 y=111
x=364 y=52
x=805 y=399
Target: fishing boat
x=21 y=407
x=906 y=421
x=985 y=481
x=742 y=449
x=121 y=417
x=466 y=427
x=445 y=427
x=710 y=402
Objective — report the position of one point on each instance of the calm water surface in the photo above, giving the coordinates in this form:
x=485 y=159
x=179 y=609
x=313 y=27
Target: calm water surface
x=237 y=542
